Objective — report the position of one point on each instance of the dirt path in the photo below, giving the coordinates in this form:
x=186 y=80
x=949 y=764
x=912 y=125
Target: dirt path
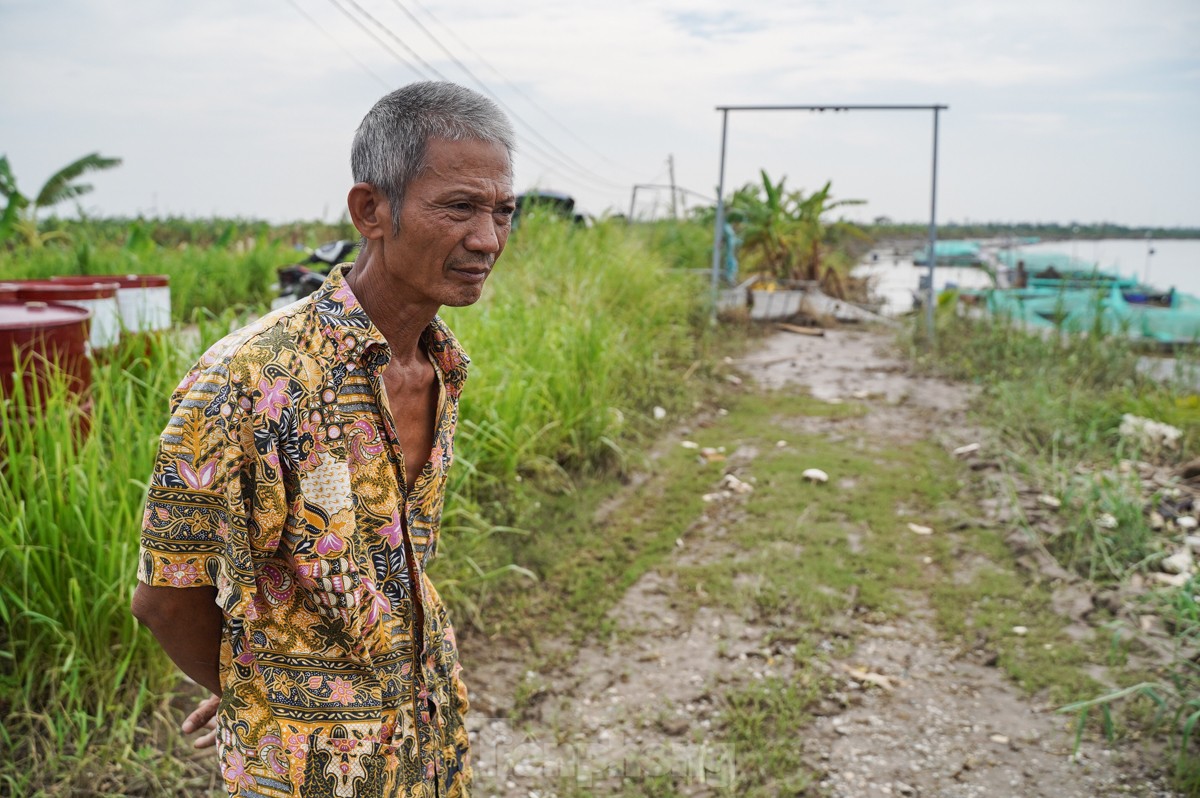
x=910 y=716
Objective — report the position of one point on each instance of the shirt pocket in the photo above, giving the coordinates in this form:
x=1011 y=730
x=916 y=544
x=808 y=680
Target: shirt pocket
x=326 y=558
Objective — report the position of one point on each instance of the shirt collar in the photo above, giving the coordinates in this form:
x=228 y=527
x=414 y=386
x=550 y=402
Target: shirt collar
x=342 y=320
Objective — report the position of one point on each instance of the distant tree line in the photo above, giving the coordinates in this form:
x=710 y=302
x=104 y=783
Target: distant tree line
x=885 y=228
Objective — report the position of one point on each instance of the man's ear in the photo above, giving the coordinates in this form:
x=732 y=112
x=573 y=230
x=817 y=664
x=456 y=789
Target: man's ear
x=369 y=211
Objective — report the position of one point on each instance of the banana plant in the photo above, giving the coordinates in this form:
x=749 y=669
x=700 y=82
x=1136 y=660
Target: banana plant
x=786 y=233
x=20 y=218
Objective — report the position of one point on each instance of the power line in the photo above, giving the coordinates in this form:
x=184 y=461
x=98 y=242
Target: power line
x=398 y=40
x=566 y=158
x=378 y=40
x=340 y=46
x=423 y=75
x=547 y=157
x=517 y=88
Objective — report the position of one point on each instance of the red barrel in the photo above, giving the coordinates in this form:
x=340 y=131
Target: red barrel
x=9 y=293
x=98 y=296
x=38 y=340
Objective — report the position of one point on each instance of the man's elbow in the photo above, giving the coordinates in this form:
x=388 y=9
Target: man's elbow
x=166 y=607
x=143 y=606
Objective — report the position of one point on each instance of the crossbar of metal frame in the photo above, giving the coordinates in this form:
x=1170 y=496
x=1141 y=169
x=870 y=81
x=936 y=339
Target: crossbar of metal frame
x=719 y=223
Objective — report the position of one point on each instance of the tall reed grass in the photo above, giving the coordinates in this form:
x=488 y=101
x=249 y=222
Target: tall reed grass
x=580 y=334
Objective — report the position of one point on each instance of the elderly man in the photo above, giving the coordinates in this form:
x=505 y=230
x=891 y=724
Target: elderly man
x=298 y=490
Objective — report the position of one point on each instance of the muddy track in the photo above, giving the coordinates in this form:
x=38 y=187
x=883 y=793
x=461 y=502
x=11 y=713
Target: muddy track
x=910 y=714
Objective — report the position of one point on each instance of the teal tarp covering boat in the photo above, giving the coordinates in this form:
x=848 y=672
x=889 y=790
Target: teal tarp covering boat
x=1077 y=297
x=950 y=253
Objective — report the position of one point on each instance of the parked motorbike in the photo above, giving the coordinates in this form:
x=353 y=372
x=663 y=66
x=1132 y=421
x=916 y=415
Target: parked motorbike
x=298 y=280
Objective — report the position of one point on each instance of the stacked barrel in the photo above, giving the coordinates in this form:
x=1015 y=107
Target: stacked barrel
x=49 y=330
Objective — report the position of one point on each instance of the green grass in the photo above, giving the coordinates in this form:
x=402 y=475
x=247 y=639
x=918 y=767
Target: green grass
x=75 y=670
x=582 y=333
x=1055 y=404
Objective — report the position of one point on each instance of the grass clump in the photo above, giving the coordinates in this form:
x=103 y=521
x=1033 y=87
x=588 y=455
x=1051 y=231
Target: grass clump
x=76 y=673
x=1056 y=402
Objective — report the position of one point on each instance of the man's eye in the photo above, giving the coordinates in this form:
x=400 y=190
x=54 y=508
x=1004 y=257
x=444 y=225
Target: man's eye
x=465 y=207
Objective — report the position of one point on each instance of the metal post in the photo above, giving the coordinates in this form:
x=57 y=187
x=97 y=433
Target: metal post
x=929 y=299
x=671 y=169
x=1149 y=252
x=718 y=234
x=632 y=203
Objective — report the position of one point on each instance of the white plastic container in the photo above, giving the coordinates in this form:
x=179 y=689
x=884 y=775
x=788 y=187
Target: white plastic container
x=144 y=300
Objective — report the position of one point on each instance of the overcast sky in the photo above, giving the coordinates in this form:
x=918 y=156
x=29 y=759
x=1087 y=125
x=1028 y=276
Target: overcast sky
x=1060 y=110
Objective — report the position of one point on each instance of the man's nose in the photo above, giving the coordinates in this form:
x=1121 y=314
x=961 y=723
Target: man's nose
x=485 y=235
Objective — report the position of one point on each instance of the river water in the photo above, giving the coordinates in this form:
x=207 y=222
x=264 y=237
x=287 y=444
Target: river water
x=1172 y=263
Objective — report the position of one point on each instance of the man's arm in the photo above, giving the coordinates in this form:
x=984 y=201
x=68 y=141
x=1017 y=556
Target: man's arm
x=187 y=623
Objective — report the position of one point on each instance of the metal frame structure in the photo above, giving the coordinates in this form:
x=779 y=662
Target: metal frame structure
x=718 y=233
x=665 y=186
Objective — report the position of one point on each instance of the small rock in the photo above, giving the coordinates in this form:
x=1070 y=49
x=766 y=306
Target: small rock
x=920 y=530
x=722 y=411
x=1156 y=520
x=674 y=726
x=1107 y=521
x=1171 y=580
x=732 y=483
x=1020 y=631
x=1046 y=500
x=970 y=448
x=999 y=738
x=1149 y=434
x=660 y=413
x=711 y=455
x=815 y=475
x=1193 y=543
x=1178 y=563
x=689 y=444
x=1186 y=522
x=780 y=444
x=733 y=379
x=904 y=789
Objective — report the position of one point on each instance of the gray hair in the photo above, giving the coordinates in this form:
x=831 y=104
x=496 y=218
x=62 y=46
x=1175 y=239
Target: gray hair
x=393 y=139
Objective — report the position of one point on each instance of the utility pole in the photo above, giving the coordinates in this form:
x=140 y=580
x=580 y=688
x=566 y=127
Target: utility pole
x=671 y=171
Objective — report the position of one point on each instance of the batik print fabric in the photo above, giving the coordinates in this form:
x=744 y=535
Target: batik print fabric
x=279 y=481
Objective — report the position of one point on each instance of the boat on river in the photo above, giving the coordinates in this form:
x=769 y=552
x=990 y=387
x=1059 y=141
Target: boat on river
x=1053 y=291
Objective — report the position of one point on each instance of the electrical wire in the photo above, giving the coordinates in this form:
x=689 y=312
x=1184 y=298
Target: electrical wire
x=550 y=116
x=349 y=53
x=546 y=159
x=398 y=40
x=568 y=160
x=379 y=41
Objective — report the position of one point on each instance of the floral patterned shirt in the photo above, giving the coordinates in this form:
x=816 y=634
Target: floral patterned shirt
x=279 y=480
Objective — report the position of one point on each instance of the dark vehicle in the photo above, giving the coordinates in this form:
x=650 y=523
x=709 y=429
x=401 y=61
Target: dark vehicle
x=555 y=202
x=298 y=280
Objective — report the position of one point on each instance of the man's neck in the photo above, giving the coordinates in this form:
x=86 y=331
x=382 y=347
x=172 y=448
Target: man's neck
x=401 y=322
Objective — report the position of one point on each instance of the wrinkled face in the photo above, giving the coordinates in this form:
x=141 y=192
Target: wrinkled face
x=453 y=224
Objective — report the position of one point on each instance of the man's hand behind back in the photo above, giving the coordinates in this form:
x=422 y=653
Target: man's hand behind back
x=204 y=716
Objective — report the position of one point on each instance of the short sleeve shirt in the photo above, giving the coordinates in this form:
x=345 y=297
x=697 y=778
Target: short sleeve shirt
x=280 y=482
